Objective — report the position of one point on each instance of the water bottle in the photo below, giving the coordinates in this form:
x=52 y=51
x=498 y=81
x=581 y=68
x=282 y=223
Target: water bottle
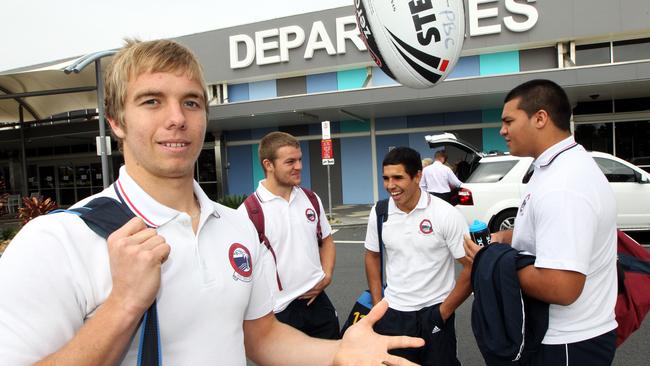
x=479 y=233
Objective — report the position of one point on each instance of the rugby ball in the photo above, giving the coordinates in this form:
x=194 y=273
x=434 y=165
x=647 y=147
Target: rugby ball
x=415 y=42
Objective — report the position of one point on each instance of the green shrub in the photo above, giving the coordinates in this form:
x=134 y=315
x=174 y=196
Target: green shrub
x=233 y=201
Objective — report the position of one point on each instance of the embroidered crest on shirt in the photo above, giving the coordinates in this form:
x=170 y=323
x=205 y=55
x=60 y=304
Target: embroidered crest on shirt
x=310 y=214
x=426 y=227
x=523 y=204
x=240 y=260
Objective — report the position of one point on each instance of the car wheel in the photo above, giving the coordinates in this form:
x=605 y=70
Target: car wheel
x=505 y=220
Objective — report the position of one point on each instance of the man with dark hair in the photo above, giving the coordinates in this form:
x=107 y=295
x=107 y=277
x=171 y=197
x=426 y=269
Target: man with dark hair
x=421 y=237
x=567 y=219
x=304 y=267
x=438 y=179
x=76 y=298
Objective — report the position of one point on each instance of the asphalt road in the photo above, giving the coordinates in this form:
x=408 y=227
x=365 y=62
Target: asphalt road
x=349 y=281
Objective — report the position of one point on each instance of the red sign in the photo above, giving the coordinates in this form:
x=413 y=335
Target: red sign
x=326 y=149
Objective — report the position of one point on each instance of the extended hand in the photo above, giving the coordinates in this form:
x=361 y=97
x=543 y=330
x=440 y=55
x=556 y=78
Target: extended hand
x=471 y=248
x=361 y=346
x=136 y=254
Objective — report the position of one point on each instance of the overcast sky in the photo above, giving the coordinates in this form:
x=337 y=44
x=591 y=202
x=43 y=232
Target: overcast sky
x=36 y=31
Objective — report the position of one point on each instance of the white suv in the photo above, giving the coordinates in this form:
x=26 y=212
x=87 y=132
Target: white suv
x=496 y=182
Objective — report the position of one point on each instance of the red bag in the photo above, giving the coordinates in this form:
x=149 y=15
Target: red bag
x=633 y=300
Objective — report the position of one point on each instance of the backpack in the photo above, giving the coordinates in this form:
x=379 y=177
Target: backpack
x=256 y=215
x=104 y=215
x=633 y=301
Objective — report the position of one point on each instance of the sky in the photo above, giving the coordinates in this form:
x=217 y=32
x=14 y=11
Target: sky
x=37 y=31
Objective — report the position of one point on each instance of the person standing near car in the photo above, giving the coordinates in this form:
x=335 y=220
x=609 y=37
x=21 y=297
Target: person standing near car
x=422 y=237
x=438 y=179
x=304 y=267
x=567 y=219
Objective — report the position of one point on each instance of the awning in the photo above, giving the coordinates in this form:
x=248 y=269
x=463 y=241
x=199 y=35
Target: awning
x=45 y=90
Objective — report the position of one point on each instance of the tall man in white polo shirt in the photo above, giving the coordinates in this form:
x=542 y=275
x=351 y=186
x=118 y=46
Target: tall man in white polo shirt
x=70 y=297
x=567 y=219
x=422 y=236
x=304 y=269
x=438 y=179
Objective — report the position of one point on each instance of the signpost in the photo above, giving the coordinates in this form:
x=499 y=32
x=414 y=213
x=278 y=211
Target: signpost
x=327 y=154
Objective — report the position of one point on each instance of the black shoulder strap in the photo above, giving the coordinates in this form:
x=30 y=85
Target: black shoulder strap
x=104 y=215
x=381 y=210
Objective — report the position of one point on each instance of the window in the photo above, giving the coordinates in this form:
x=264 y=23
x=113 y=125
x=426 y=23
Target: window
x=614 y=171
x=592 y=54
x=490 y=172
x=633 y=140
x=595 y=137
x=636 y=49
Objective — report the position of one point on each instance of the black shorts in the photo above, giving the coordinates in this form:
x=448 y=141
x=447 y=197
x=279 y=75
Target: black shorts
x=439 y=337
x=597 y=351
x=443 y=196
x=319 y=319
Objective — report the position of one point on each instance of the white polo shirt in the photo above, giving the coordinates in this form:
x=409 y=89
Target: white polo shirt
x=438 y=178
x=59 y=275
x=420 y=248
x=567 y=218
x=291 y=230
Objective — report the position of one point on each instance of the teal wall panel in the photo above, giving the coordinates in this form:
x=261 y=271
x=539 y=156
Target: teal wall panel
x=492 y=140
x=351 y=79
x=258 y=172
x=499 y=63
x=355 y=126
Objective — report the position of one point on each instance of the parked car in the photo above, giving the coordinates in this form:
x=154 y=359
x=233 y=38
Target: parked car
x=492 y=191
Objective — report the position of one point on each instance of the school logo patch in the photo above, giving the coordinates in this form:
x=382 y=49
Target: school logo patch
x=426 y=227
x=523 y=204
x=240 y=260
x=310 y=214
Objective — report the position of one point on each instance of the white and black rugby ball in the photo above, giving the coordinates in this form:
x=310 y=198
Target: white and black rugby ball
x=415 y=42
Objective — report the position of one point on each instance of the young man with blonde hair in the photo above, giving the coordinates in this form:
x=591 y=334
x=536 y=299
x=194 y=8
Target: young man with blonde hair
x=299 y=237
x=75 y=298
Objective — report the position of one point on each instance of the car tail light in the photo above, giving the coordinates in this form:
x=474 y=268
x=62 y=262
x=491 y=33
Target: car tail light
x=465 y=197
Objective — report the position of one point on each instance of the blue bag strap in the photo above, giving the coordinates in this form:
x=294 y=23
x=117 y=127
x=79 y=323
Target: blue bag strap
x=104 y=215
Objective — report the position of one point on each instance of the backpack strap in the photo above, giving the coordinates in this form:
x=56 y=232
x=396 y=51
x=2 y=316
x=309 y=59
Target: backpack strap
x=256 y=215
x=381 y=210
x=314 y=202
x=104 y=215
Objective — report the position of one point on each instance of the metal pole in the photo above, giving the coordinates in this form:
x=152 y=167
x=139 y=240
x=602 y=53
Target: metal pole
x=23 y=155
x=329 y=192
x=102 y=124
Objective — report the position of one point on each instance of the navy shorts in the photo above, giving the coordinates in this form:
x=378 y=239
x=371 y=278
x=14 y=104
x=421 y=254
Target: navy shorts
x=318 y=320
x=439 y=337
x=597 y=351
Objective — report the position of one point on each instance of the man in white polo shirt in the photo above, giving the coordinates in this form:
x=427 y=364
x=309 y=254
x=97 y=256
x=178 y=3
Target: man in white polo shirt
x=70 y=297
x=304 y=267
x=567 y=219
x=438 y=179
x=422 y=237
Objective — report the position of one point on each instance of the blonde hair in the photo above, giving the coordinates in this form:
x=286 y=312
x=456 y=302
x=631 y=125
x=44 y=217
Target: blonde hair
x=137 y=58
x=272 y=142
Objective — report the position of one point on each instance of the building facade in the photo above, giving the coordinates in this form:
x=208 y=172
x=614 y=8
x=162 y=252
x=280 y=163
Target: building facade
x=290 y=74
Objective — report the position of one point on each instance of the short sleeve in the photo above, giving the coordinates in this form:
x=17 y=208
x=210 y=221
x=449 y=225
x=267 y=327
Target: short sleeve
x=454 y=230
x=372 y=238
x=325 y=227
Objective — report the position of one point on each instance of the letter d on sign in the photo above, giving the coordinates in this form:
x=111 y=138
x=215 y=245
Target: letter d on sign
x=249 y=55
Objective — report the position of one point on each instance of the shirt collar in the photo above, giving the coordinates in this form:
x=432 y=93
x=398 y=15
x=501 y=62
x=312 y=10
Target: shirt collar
x=264 y=195
x=151 y=211
x=547 y=157
x=423 y=202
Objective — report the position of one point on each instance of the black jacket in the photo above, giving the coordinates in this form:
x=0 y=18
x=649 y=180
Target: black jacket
x=507 y=324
